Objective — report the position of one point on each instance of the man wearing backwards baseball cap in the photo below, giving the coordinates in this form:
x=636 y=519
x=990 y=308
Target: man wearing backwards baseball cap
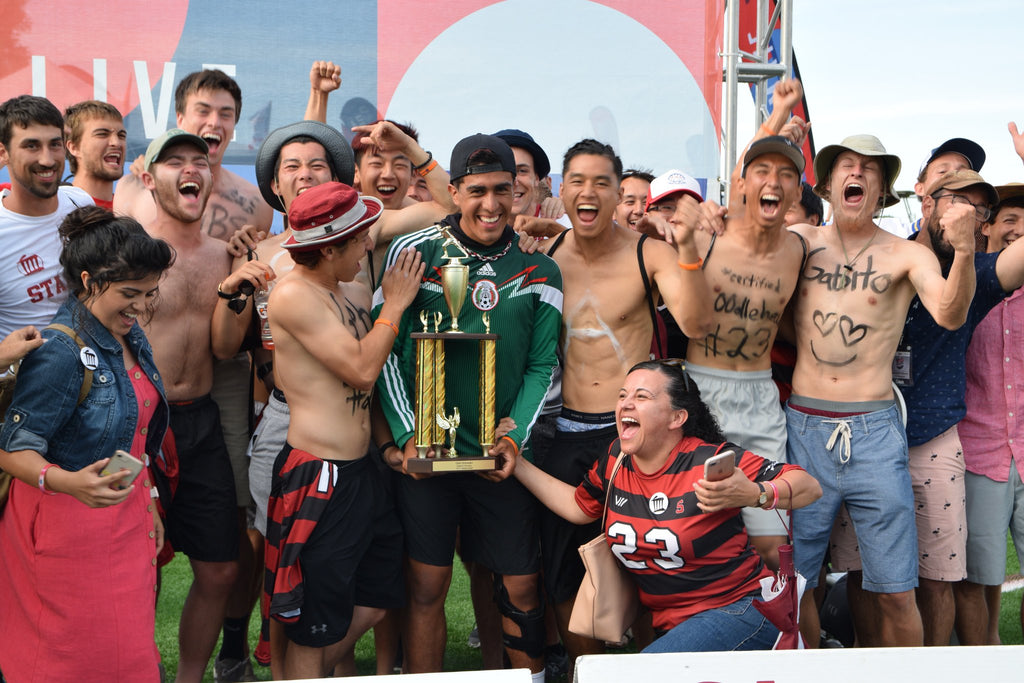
x=855 y=290
x=533 y=213
x=752 y=268
x=522 y=295
x=328 y=356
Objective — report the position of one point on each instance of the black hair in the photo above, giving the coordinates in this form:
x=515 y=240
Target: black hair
x=359 y=149
x=683 y=394
x=304 y=139
x=642 y=173
x=25 y=110
x=591 y=146
x=110 y=248
x=209 y=79
x=811 y=202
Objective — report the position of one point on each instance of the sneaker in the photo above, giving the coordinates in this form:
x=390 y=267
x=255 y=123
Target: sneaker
x=233 y=670
x=474 y=637
x=556 y=662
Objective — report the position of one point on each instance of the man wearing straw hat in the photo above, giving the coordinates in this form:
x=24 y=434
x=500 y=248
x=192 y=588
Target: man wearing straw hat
x=323 y=556
x=842 y=421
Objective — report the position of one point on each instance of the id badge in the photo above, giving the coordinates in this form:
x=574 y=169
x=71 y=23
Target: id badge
x=902 y=373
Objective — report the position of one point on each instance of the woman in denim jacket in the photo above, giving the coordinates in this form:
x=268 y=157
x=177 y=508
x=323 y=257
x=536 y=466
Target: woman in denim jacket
x=78 y=574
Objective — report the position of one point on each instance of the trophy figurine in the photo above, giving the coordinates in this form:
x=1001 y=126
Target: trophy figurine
x=433 y=418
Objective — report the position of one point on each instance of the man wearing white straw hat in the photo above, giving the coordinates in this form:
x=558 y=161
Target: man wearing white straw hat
x=842 y=421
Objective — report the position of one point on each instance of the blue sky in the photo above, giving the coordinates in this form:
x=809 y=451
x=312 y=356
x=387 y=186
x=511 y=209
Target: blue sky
x=914 y=74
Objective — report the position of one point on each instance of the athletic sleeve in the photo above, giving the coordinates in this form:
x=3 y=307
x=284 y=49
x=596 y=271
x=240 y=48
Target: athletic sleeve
x=542 y=355
x=393 y=390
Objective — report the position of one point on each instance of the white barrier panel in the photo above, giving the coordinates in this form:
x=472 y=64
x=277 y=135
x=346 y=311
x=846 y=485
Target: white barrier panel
x=500 y=676
x=997 y=664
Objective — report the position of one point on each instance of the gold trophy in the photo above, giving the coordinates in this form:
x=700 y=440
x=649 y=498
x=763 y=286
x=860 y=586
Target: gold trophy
x=434 y=423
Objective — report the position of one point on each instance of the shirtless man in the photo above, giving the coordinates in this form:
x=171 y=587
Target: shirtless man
x=853 y=296
x=202 y=520
x=635 y=184
x=328 y=357
x=752 y=269
x=607 y=327
x=96 y=144
x=207 y=104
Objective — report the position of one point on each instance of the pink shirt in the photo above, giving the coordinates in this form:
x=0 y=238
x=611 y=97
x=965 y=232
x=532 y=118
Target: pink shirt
x=993 y=430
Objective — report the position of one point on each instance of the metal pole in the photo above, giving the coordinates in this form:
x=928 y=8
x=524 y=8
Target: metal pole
x=732 y=30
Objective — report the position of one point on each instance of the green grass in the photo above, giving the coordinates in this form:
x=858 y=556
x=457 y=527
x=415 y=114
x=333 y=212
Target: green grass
x=177 y=577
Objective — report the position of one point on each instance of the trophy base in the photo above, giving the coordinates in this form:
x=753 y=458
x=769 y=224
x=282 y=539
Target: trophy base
x=446 y=465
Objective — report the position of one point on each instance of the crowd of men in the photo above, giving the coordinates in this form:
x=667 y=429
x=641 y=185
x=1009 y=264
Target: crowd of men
x=874 y=354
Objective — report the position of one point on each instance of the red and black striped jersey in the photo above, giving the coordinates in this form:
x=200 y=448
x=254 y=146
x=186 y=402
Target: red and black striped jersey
x=300 y=493
x=683 y=560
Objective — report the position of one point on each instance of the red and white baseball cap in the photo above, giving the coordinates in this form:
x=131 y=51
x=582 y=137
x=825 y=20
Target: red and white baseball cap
x=672 y=182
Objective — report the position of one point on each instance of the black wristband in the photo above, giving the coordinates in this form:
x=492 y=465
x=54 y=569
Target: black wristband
x=264 y=370
x=224 y=295
x=385 y=446
x=430 y=157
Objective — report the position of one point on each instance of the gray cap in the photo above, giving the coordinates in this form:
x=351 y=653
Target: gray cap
x=174 y=136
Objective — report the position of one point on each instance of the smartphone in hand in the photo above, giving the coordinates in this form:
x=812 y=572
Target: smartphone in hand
x=121 y=460
x=720 y=466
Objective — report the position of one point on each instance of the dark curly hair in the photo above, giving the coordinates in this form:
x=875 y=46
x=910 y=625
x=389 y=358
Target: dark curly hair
x=110 y=248
x=684 y=395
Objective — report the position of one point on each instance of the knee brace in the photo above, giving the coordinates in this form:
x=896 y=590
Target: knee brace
x=531 y=623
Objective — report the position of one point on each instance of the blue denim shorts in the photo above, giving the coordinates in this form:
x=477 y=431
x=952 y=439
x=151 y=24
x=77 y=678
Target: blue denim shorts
x=862 y=461
x=739 y=626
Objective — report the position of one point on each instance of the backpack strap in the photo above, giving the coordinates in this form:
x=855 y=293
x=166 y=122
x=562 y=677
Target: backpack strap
x=87 y=379
x=557 y=243
x=660 y=344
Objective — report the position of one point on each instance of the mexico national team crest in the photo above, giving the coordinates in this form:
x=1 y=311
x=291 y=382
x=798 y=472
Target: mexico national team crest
x=485 y=295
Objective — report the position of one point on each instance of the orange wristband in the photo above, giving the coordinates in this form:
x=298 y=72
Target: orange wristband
x=385 y=321
x=691 y=266
x=766 y=130
x=427 y=169
x=514 y=446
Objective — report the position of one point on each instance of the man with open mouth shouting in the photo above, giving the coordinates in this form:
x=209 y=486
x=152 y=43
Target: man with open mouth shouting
x=843 y=425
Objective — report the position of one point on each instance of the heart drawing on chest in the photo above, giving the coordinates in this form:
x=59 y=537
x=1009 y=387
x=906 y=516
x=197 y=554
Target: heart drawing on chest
x=848 y=330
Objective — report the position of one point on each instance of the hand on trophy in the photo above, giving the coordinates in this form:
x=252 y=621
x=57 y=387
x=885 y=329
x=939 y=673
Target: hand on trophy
x=402 y=281
x=409 y=453
x=503 y=450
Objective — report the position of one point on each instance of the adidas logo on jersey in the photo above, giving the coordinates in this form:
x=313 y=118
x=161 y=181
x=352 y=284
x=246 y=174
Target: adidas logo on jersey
x=486 y=269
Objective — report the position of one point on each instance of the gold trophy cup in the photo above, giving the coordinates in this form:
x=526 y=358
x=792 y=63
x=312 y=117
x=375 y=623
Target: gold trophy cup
x=434 y=422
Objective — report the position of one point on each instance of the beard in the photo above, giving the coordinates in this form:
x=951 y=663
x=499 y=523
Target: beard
x=943 y=249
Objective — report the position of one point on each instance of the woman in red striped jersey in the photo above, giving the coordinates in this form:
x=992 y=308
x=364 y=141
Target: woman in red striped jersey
x=681 y=537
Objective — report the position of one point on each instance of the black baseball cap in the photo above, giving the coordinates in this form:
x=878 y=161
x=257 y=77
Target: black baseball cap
x=523 y=140
x=467 y=146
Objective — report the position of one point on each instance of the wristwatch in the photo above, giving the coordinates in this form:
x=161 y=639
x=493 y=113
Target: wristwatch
x=762 y=498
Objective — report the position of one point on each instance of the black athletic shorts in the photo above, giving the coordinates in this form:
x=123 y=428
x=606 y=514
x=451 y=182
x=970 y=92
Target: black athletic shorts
x=353 y=556
x=496 y=521
x=202 y=521
x=568 y=457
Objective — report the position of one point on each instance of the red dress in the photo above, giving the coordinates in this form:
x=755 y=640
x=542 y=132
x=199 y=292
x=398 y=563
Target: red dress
x=77 y=584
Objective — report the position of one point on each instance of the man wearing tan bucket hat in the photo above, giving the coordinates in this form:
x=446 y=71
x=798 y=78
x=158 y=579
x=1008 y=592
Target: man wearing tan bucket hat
x=842 y=420
x=327 y=356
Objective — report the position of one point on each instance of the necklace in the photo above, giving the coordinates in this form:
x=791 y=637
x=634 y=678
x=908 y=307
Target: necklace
x=848 y=266
x=481 y=257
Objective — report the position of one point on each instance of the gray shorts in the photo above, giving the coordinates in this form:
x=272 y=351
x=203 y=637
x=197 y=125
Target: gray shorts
x=231 y=393
x=267 y=441
x=992 y=507
x=746 y=405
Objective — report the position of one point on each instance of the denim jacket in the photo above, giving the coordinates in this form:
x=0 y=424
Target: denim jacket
x=45 y=416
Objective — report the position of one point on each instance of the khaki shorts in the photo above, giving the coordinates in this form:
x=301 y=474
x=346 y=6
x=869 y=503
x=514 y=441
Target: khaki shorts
x=231 y=393
x=937 y=473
